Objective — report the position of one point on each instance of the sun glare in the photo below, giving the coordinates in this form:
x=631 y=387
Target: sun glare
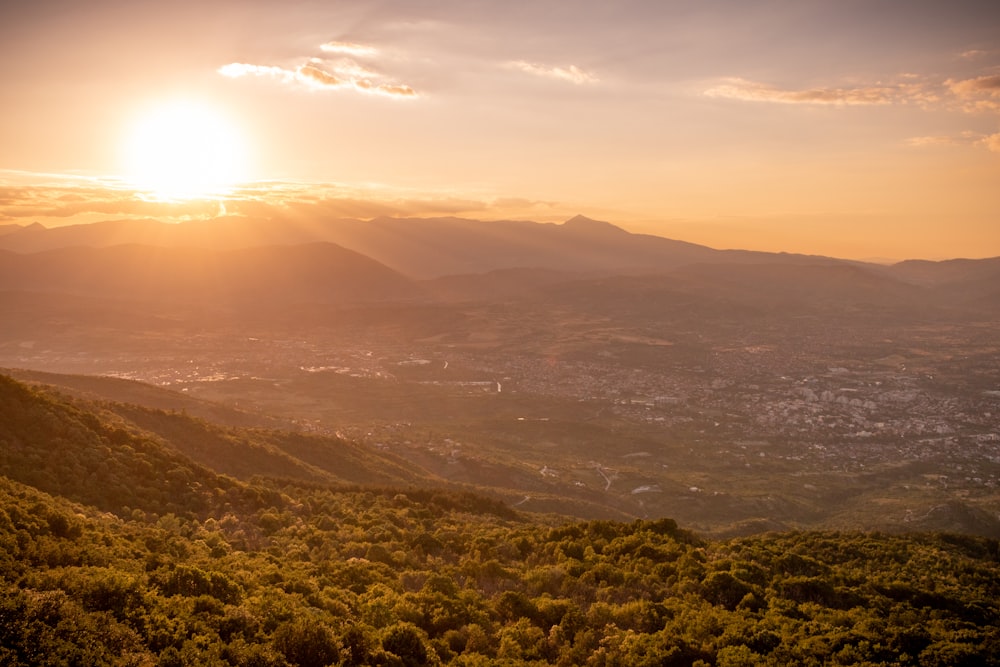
x=184 y=150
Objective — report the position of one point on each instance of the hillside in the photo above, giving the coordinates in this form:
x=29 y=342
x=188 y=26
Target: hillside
x=148 y=442
x=310 y=273
x=969 y=282
x=120 y=391
x=118 y=549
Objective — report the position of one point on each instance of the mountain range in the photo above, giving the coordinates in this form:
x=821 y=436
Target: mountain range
x=344 y=260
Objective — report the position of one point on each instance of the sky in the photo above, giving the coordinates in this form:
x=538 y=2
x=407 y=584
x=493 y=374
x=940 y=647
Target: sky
x=851 y=128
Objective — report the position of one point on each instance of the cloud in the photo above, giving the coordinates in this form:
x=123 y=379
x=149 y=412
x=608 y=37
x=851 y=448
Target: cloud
x=333 y=74
x=571 y=73
x=349 y=49
x=314 y=76
x=992 y=142
x=62 y=202
x=974 y=54
x=963 y=139
x=347 y=68
x=237 y=70
x=318 y=77
x=752 y=91
x=989 y=141
x=68 y=202
x=931 y=140
x=395 y=90
x=989 y=85
x=978 y=94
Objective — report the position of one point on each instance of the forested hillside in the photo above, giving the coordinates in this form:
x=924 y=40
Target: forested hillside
x=117 y=548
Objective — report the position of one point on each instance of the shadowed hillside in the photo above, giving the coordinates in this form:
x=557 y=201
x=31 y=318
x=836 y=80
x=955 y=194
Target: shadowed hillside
x=311 y=273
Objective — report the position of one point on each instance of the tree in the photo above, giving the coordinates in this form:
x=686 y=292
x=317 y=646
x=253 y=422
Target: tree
x=404 y=641
x=306 y=643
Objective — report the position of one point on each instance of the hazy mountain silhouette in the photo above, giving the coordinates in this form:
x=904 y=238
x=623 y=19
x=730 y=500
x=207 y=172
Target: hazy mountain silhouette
x=416 y=247
x=306 y=273
x=972 y=283
x=303 y=261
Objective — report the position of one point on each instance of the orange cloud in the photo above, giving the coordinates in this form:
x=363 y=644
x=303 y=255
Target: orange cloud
x=315 y=75
x=342 y=73
x=992 y=142
x=572 y=73
x=989 y=85
x=397 y=91
x=752 y=91
x=979 y=94
x=69 y=202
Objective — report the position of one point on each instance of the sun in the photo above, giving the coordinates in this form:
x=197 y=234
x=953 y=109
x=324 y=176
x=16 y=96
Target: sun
x=184 y=150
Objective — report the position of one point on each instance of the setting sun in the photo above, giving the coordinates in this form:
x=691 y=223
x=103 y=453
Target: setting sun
x=184 y=150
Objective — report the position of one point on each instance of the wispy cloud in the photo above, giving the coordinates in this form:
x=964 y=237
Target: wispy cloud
x=313 y=76
x=337 y=74
x=69 y=201
x=989 y=141
x=570 y=73
x=73 y=201
x=975 y=54
x=963 y=139
x=975 y=94
x=236 y=70
x=349 y=49
x=970 y=95
x=752 y=91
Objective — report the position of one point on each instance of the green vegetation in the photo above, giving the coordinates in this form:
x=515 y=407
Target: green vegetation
x=115 y=548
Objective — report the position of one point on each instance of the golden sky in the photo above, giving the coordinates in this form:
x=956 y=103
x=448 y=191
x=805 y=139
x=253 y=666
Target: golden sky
x=853 y=128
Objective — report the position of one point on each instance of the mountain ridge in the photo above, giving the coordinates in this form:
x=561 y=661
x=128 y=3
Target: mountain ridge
x=430 y=248
x=290 y=276
x=417 y=247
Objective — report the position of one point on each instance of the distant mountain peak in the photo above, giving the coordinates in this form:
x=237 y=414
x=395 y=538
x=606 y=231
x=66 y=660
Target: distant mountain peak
x=35 y=227
x=583 y=223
